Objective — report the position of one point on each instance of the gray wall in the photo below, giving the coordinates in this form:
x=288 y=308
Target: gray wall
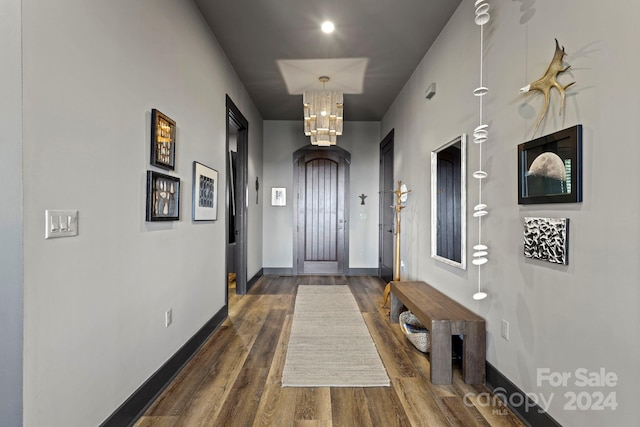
x=362 y=140
x=11 y=277
x=254 y=211
x=94 y=304
x=583 y=315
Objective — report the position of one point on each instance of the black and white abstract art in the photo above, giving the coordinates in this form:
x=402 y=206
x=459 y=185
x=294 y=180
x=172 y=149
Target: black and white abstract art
x=205 y=193
x=547 y=239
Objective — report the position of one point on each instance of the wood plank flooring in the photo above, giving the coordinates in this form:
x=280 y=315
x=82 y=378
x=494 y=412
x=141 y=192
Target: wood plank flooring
x=234 y=379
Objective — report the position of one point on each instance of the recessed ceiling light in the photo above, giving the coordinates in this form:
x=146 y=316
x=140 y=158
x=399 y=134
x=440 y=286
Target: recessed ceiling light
x=328 y=27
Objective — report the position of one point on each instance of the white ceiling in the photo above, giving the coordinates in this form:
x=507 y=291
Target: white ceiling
x=345 y=74
x=278 y=50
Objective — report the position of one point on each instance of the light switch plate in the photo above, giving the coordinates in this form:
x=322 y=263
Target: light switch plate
x=60 y=223
x=505 y=329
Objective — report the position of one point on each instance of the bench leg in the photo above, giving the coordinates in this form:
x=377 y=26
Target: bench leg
x=441 y=366
x=474 y=353
x=394 y=311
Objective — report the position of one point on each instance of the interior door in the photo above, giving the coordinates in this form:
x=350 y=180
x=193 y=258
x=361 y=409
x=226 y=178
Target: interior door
x=237 y=132
x=385 y=232
x=321 y=213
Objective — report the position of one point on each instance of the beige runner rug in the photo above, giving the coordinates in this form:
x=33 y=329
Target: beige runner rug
x=330 y=345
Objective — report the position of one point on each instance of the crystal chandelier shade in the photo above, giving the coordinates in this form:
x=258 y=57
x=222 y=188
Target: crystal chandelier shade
x=323 y=115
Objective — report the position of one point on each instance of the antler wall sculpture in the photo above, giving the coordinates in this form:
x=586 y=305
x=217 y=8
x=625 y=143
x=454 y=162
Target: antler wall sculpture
x=549 y=80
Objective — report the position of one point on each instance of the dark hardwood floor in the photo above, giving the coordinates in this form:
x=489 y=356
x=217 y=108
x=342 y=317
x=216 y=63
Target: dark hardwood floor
x=234 y=379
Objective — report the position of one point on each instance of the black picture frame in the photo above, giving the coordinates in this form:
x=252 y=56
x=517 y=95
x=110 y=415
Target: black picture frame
x=163 y=140
x=550 y=168
x=163 y=197
x=205 y=193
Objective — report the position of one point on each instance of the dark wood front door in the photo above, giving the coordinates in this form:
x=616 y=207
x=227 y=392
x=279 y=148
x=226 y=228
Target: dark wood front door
x=321 y=212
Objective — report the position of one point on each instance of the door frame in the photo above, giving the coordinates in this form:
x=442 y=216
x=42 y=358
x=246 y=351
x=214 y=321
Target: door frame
x=386 y=144
x=235 y=116
x=342 y=154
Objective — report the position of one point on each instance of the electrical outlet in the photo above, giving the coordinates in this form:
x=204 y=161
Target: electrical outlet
x=168 y=317
x=505 y=329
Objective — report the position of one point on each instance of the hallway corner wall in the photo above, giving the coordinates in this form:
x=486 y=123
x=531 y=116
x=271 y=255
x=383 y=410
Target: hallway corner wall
x=11 y=224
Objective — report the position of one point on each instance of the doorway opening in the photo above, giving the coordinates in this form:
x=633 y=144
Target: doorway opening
x=385 y=230
x=236 y=203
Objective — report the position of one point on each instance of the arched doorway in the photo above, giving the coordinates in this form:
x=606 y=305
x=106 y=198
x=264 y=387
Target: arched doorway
x=321 y=194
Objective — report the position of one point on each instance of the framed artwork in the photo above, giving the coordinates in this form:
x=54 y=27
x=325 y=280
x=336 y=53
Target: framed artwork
x=205 y=193
x=163 y=197
x=163 y=140
x=550 y=168
x=547 y=239
x=278 y=197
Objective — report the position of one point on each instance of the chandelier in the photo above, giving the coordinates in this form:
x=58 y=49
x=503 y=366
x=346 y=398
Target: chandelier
x=323 y=114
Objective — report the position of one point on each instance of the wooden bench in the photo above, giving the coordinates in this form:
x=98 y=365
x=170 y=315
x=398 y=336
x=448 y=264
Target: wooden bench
x=444 y=317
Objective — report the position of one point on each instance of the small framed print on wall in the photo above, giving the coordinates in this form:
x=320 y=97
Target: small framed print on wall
x=163 y=140
x=278 y=197
x=547 y=239
x=163 y=197
x=205 y=193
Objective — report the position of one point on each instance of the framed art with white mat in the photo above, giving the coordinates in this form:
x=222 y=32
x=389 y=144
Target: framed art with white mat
x=205 y=193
